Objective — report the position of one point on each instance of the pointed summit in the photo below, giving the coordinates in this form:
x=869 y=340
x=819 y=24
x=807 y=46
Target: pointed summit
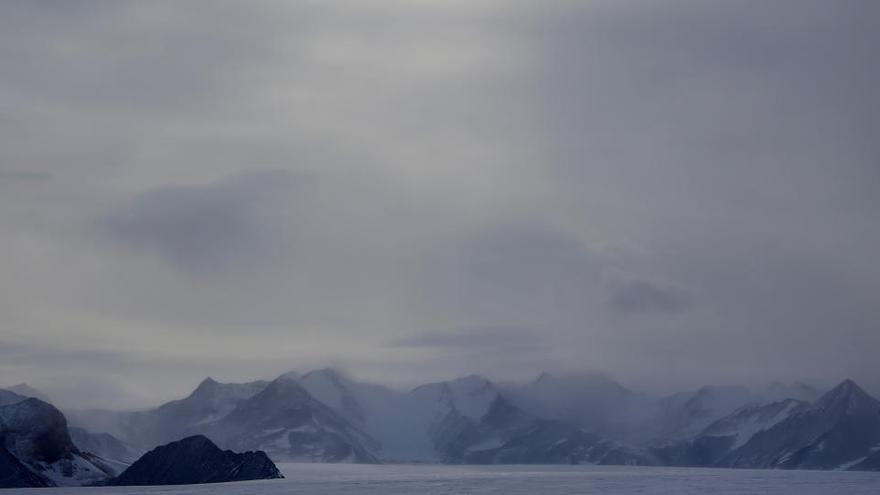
x=847 y=394
x=208 y=382
x=208 y=386
x=282 y=390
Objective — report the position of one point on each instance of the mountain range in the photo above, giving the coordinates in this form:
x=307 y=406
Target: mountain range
x=326 y=416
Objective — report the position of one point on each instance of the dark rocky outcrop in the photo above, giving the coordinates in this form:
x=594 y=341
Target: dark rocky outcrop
x=36 y=448
x=14 y=474
x=195 y=460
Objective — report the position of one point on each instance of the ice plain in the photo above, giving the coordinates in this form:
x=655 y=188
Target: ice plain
x=332 y=479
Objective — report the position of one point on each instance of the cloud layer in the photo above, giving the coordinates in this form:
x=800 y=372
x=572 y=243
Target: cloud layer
x=674 y=192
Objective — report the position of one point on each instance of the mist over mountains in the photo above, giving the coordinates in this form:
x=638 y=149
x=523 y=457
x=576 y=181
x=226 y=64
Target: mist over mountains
x=326 y=416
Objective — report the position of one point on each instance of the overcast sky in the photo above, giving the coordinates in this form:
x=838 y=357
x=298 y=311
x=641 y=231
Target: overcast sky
x=675 y=192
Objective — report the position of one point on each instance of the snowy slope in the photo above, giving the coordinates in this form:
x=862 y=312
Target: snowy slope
x=333 y=479
x=286 y=422
x=209 y=402
x=744 y=423
x=843 y=426
x=110 y=451
x=407 y=425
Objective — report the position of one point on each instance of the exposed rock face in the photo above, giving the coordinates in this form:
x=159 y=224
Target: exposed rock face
x=14 y=474
x=195 y=460
x=843 y=426
x=37 y=449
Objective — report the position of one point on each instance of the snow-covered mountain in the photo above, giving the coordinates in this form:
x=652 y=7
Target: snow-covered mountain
x=840 y=430
x=506 y=434
x=407 y=426
x=727 y=434
x=356 y=401
x=36 y=449
x=465 y=420
x=286 y=422
x=592 y=401
x=293 y=425
x=326 y=416
x=209 y=402
x=684 y=415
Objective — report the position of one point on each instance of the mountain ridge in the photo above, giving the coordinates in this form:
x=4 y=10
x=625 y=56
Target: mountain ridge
x=460 y=420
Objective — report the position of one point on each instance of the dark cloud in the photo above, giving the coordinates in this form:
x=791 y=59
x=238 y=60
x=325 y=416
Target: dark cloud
x=645 y=297
x=205 y=227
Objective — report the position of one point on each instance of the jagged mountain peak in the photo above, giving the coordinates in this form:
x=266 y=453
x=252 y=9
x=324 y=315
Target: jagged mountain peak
x=211 y=390
x=286 y=421
x=326 y=378
x=847 y=394
x=283 y=388
x=206 y=386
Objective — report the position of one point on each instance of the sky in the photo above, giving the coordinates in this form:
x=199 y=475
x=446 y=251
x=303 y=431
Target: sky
x=672 y=192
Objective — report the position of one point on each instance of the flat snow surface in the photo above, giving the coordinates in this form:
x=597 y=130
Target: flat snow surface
x=332 y=479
